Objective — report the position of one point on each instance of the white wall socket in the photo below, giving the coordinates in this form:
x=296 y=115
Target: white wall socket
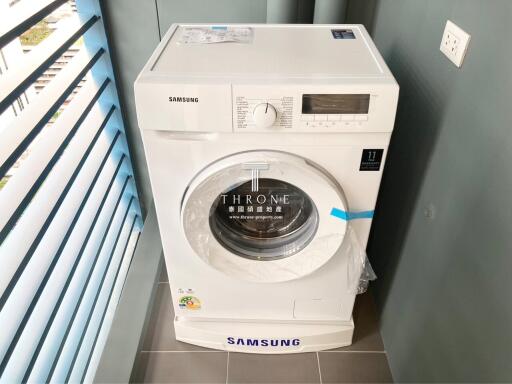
x=454 y=43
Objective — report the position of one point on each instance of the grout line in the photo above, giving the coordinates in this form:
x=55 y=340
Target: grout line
x=319 y=370
x=227 y=369
x=353 y=352
x=213 y=351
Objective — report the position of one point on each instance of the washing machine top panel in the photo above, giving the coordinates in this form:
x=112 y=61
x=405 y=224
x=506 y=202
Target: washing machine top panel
x=307 y=51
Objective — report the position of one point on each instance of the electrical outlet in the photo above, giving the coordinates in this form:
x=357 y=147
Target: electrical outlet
x=454 y=43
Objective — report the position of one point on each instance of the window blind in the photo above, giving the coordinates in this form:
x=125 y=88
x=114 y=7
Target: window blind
x=69 y=211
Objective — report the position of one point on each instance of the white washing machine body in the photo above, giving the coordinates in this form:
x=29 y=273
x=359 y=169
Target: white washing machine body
x=250 y=147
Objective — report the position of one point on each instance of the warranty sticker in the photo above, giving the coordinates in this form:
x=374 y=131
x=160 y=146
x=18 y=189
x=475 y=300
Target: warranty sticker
x=371 y=160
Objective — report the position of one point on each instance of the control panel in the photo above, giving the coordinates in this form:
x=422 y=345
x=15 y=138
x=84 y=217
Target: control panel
x=335 y=109
x=255 y=113
x=309 y=110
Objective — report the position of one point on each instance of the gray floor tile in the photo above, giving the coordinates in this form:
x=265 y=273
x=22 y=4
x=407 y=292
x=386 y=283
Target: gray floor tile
x=160 y=332
x=163 y=275
x=182 y=367
x=293 y=368
x=340 y=367
x=172 y=363
x=366 y=332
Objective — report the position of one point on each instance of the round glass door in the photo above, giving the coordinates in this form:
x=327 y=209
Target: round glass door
x=263 y=216
x=276 y=221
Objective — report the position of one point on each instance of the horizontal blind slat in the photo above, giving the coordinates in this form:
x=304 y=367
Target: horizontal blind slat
x=68 y=346
x=77 y=362
x=62 y=241
x=24 y=15
x=13 y=83
x=20 y=133
x=96 y=353
x=33 y=224
x=58 y=329
x=30 y=278
x=111 y=289
x=23 y=343
x=23 y=185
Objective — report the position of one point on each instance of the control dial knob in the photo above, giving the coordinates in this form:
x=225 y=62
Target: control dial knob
x=264 y=115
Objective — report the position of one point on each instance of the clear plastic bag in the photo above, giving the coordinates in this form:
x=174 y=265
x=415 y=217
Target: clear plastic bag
x=359 y=269
x=216 y=35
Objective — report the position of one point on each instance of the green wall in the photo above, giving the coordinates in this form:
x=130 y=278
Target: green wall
x=442 y=241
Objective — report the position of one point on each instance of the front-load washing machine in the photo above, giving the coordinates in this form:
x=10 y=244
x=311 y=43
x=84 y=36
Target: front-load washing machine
x=265 y=146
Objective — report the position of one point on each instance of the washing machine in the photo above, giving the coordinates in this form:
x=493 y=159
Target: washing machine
x=265 y=146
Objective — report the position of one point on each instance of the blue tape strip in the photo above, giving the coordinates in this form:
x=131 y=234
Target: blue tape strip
x=340 y=214
x=219 y=27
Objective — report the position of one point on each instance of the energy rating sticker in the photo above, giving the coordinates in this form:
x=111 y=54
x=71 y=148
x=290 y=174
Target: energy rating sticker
x=189 y=302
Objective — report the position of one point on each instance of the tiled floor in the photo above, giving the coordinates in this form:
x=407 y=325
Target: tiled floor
x=165 y=360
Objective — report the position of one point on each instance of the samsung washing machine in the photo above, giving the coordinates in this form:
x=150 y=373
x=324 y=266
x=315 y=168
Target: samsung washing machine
x=265 y=146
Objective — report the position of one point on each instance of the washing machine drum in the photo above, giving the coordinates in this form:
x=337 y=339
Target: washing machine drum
x=263 y=216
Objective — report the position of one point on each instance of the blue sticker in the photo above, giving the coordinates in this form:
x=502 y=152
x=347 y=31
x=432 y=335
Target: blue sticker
x=343 y=215
x=219 y=28
x=343 y=34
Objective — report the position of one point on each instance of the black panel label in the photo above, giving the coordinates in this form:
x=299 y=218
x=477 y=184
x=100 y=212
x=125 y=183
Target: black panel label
x=371 y=159
x=343 y=34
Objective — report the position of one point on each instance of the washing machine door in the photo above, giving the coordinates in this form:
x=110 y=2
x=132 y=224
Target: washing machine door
x=263 y=216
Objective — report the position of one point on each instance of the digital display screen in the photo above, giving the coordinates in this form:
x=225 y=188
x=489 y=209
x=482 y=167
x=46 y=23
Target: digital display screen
x=335 y=104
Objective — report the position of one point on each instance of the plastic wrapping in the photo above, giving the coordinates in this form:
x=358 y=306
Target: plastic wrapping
x=359 y=269
x=216 y=34
x=268 y=220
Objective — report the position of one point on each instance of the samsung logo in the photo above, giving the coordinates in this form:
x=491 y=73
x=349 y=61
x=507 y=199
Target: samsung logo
x=264 y=342
x=179 y=99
